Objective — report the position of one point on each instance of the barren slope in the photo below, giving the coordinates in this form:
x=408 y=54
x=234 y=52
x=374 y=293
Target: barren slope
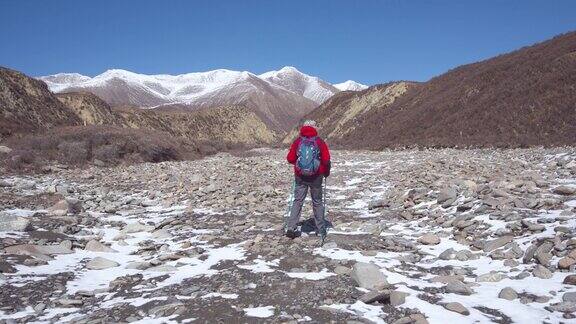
x=27 y=104
x=338 y=116
x=526 y=97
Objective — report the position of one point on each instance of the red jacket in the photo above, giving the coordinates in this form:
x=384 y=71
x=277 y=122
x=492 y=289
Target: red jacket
x=308 y=131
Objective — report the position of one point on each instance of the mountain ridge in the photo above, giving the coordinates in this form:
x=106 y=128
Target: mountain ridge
x=27 y=106
x=522 y=98
x=279 y=98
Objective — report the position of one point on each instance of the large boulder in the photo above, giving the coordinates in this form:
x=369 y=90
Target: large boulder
x=457 y=308
x=137 y=227
x=99 y=263
x=96 y=246
x=570 y=280
x=368 y=275
x=66 y=206
x=542 y=272
x=458 y=287
x=508 y=293
x=429 y=239
x=13 y=223
x=5 y=149
x=489 y=246
x=564 y=190
x=41 y=252
x=447 y=196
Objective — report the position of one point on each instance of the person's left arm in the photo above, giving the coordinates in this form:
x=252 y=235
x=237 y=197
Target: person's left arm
x=325 y=156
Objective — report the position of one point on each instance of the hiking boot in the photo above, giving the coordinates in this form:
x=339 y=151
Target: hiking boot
x=321 y=233
x=292 y=234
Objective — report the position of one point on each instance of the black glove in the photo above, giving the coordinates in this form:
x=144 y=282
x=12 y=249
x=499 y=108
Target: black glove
x=328 y=167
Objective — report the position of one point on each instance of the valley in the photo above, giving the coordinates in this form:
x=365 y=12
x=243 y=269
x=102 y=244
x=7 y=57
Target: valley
x=427 y=236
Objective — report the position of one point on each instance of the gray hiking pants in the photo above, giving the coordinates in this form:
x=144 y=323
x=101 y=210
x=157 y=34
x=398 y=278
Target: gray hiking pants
x=300 y=191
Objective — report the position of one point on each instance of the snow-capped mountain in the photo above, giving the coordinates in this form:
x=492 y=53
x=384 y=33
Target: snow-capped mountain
x=308 y=86
x=278 y=97
x=350 y=86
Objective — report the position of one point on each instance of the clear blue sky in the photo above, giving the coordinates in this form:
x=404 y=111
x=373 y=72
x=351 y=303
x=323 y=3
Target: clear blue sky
x=364 y=40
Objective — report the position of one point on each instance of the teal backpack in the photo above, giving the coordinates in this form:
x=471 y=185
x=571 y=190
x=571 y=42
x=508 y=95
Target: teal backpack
x=308 y=154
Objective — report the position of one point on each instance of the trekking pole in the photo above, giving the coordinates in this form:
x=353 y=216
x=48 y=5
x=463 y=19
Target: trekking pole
x=290 y=203
x=323 y=237
x=324 y=199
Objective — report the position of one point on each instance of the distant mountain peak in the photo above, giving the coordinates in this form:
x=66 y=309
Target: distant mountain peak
x=288 y=90
x=350 y=85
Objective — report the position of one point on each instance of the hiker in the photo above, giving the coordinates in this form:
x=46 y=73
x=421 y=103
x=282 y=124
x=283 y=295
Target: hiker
x=311 y=159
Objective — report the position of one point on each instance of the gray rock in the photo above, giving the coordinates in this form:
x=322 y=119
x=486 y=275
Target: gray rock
x=378 y=203
x=448 y=254
x=398 y=298
x=458 y=287
x=490 y=277
x=161 y=234
x=570 y=280
x=447 y=194
x=168 y=309
x=96 y=246
x=110 y=209
x=465 y=255
x=489 y=246
x=99 y=263
x=569 y=296
x=376 y=296
x=541 y=272
x=342 y=270
x=566 y=262
x=508 y=293
x=542 y=253
x=137 y=227
x=529 y=254
x=67 y=302
x=138 y=265
x=5 y=149
x=368 y=275
x=457 y=308
x=38 y=251
x=564 y=307
x=65 y=206
x=564 y=190
x=162 y=268
x=39 y=308
x=429 y=239
x=13 y=223
x=330 y=245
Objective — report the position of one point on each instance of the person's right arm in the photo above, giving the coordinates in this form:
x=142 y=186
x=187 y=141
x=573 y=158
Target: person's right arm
x=292 y=154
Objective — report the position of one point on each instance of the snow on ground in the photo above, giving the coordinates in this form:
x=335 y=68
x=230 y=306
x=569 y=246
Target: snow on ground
x=260 y=312
x=184 y=252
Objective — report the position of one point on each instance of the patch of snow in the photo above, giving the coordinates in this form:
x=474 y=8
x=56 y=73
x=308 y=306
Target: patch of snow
x=323 y=274
x=260 y=312
x=260 y=266
x=370 y=312
x=225 y=296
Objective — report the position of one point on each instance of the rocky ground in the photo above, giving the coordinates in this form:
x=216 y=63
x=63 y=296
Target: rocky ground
x=432 y=236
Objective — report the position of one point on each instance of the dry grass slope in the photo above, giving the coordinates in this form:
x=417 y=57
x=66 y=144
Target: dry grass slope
x=524 y=98
x=27 y=105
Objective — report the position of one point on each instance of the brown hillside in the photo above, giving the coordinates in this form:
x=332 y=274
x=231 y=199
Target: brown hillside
x=90 y=109
x=26 y=104
x=339 y=116
x=230 y=125
x=527 y=97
